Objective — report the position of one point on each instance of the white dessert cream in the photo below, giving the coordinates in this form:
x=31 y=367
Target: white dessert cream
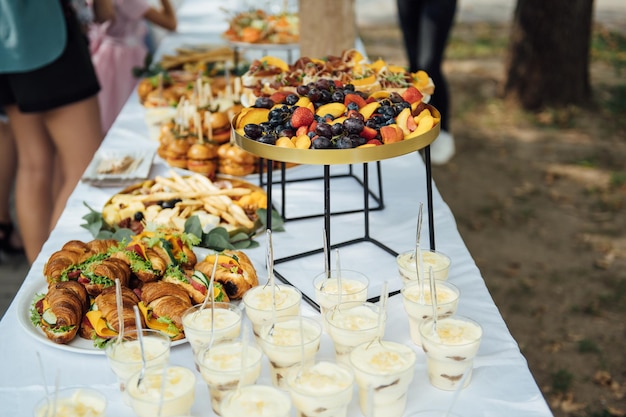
x=450 y=350
x=174 y=395
x=259 y=303
x=439 y=262
x=322 y=390
x=330 y=291
x=73 y=403
x=221 y=368
x=125 y=358
x=420 y=308
x=257 y=401
x=284 y=342
x=226 y=319
x=350 y=326
x=388 y=368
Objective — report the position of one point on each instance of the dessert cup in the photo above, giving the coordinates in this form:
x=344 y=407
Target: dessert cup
x=350 y=325
x=197 y=324
x=330 y=290
x=256 y=401
x=284 y=343
x=164 y=391
x=450 y=350
x=323 y=389
x=258 y=304
x=439 y=261
x=420 y=310
x=383 y=371
x=221 y=368
x=125 y=358
x=71 y=402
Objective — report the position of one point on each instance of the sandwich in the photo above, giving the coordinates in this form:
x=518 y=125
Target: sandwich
x=202 y=158
x=60 y=311
x=233 y=160
x=234 y=272
x=162 y=306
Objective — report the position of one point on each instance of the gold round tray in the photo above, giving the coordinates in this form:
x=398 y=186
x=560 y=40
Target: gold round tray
x=338 y=156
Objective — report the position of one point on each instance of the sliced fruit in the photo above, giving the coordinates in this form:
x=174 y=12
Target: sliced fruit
x=275 y=62
x=334 y=109
x=255 y=116
x=369 y=109
x=302 y=116
x=391 y=133
x=285 y=142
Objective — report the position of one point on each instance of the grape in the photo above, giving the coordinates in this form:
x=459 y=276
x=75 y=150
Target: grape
x=324 y=84
x=343 y=142
x=253 y=131
x=395 y=97
x=321 y=142
x=302 y=89
x=269 y=139
x=349 y=87
x=338 y=96
x=314 y=94
x=291 y=99
x=324 y=129
x=337 y=129
x=326 y=96
x=353 y=125
x=357 y=140
x=264 y=103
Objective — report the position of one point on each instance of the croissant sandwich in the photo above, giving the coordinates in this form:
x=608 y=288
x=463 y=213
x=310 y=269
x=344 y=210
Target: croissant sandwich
x=99 y=274
x=60 y=312
x=234 y=271
x=196 y=285
x=163 y=305
x=102 y=320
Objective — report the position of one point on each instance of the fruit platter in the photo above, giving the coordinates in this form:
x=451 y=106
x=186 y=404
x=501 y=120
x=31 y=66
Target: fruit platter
x=256 y=26
x=335 y=118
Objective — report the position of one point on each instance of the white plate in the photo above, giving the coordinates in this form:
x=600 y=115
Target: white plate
x=139 y=168
x=78 y=345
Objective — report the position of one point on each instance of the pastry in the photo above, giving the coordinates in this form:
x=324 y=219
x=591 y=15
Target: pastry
x=60 y=312
x=234 y=271
x=102 y=320
x=163 y=305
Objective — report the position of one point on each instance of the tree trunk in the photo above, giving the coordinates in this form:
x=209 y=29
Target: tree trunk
x=548 y=57
x=327 y=27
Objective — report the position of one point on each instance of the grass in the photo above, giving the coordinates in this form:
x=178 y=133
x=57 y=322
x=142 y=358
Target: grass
x=562 y=381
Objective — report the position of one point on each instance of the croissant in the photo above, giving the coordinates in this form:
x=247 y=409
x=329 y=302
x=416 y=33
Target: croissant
x=58 y=264
x=234 y=271
x=101 y=274
x=197 y=287
x=77 y=246
x=98 y=247
x=167 y=302
x=62 y=311
x=105 y=309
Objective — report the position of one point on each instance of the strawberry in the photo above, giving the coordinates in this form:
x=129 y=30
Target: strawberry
x=412 y=95
x=374 y=142
x=301 y=116
x=352 y=97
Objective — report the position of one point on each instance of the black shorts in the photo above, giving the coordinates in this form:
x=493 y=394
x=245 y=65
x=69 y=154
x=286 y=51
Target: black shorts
x=68 y=79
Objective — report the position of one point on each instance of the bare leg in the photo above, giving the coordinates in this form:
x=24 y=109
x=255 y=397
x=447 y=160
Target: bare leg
x=76 y=132
x=33 y=197
x=8 y=166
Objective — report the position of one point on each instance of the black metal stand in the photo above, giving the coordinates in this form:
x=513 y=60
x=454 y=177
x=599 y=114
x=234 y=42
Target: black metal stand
x=366 y=210
x=376 y=197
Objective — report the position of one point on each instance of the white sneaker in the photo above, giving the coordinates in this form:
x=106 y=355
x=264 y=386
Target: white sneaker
x=442 y=149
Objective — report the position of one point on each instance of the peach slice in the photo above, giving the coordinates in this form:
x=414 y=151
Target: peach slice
x=391 y=133
x=275 y=62
x=254 y=115
x=334 y=109
x=369 y=109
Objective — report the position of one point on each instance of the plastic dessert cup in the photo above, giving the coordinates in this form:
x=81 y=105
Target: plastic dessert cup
x=330 y=291
x=125 y=358
x=450 y=350
x=351 y=325
x=282 y=344
x=439 y=261
x=165 y=391
x=420 y=310
x=383 y=372
x=220 y=367
x=258 y=304
x=256 y=401
x=433 y=413
x=197 y=324
x=72 y=402
x=322 y=390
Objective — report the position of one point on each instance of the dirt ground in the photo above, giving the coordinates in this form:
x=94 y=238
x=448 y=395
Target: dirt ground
x=540 y=200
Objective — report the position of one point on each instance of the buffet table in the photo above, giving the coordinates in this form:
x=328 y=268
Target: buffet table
x=501 y=385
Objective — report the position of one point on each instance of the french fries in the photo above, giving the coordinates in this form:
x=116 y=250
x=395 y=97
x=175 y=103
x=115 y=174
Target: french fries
x=192 y=194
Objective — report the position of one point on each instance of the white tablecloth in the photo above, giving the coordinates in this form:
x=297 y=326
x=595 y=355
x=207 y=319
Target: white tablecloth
x=502 y=384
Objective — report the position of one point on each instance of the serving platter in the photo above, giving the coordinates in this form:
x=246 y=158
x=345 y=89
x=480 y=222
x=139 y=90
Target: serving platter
x=118 y=167
x=78 y=345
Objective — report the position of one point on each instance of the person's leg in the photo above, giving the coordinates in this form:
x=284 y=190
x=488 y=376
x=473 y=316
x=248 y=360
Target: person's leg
x=76 y=132
x=436 y=23
x=409 y=12
x=10 y=241
x=33 y=197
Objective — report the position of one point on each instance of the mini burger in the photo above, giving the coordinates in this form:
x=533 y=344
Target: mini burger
x=176 y=153
x=217 y=125
x=232 y=160
x=202 y=158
